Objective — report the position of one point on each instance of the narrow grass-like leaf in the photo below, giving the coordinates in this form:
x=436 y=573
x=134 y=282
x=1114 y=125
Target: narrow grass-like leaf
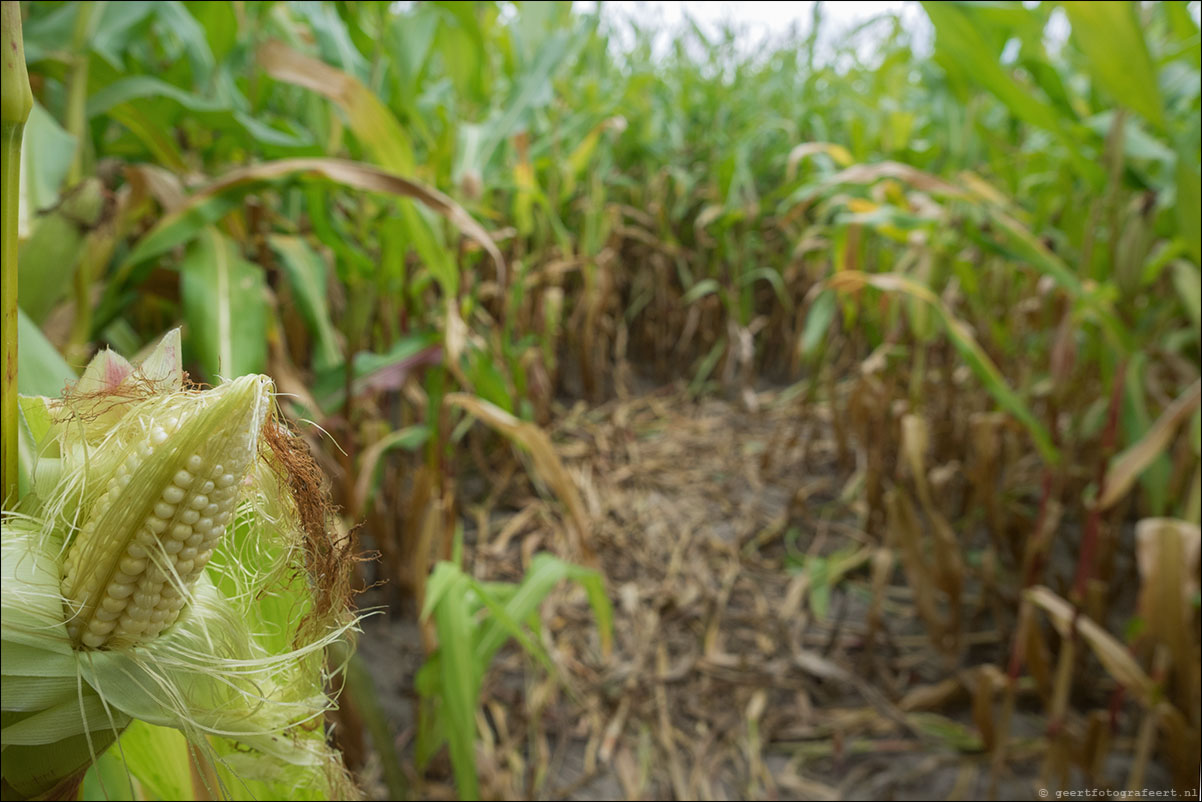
x=1156 y=478
x=503 y=624
x=545 y=572
x=773 y=279
x=1187 y=280
x=707 y=286
x=373 y=372
x=818 y=322
x=153 y=134
x=1189 y=198
x=1028 y=245
x=450 y=681
x=214 y=113
x=529 y=88
x=706 y=367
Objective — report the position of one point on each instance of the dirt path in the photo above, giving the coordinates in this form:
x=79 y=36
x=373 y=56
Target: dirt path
x=754 y=657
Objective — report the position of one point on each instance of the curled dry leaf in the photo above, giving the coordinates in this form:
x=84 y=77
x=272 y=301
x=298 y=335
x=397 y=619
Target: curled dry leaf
x=546 y=462
x=1113 y=655
x=213 y=202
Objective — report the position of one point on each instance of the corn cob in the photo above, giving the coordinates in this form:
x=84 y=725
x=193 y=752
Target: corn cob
x=113 y=613
x=149 y=535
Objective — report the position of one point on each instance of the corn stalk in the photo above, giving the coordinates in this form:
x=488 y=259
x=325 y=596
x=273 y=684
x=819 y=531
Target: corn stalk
x=16 y=101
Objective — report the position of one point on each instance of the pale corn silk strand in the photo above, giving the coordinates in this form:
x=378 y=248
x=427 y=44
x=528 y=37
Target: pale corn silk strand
x=233 y=664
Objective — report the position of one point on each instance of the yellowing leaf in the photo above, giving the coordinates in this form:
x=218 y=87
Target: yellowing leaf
x=1128 y=465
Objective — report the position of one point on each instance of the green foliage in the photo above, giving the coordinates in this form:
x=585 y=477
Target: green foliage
x=474 y=620
x=223 y=306
x=390 y=203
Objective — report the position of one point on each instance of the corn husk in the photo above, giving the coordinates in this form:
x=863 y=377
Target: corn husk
x=241 y=673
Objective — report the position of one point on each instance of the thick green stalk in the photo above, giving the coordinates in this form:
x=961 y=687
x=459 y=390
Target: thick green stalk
x=77 y=122
x=77 y=89
x=16 y=100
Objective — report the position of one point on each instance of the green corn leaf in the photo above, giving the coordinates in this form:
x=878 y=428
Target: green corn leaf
x=818 y=322
x=961 y=47
x=46 y=153
x=137 y=90
x=306 y=272
x=460 y=677
x=43 y=370
x=707 y=286
x=225 y=307
x=1187 y=280
x=48 y=259
x=1103 y=30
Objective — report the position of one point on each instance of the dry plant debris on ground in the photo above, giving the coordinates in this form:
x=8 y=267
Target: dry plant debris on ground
x=765 y=646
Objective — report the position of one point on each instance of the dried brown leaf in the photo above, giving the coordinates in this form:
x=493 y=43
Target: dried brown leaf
x=1113 y=655
x=546 y=462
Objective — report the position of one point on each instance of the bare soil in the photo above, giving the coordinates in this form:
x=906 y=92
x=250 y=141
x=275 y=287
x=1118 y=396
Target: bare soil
x=765 y=646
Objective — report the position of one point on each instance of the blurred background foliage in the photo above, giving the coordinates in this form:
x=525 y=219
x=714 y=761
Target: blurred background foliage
x=984 y=257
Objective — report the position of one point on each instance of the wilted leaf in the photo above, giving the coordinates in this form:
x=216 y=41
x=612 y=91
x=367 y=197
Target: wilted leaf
x=372 y=122
x=1128 y=465
x=220 y=197
x=1112 y=654
x=871 y=173
x=546 y=462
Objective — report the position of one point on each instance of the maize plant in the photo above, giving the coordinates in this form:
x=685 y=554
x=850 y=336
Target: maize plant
x=169 y=563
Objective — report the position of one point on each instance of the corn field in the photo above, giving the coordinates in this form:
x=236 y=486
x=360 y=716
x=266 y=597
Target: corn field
x=519 y=400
